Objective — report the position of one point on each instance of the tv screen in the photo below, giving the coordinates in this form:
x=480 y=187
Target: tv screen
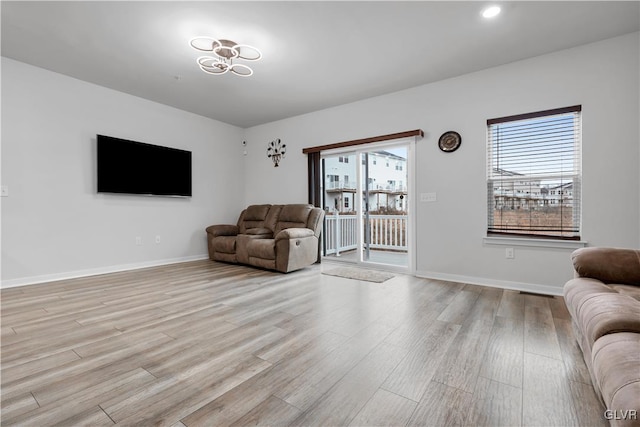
x=136 y=168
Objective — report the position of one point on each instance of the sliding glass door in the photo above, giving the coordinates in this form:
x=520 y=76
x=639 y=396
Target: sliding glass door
x=384 y=206
x=365 y=197
x=339 y=189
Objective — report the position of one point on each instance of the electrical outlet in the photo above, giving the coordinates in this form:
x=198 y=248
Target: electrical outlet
x=138 y=240
x=157 y=240
x=509 y=253
x=4 y=191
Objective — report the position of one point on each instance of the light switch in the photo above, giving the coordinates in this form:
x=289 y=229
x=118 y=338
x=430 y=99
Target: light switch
x=4 y=191
x=428 y=197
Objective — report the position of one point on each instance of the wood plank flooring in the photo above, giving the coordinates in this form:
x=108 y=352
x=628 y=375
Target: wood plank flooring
x=208 y=344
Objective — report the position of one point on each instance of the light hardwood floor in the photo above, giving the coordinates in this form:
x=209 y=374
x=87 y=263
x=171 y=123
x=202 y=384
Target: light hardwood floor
x=205 y=343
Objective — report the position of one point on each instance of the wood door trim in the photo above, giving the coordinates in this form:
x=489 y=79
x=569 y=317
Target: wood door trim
x=417 y=132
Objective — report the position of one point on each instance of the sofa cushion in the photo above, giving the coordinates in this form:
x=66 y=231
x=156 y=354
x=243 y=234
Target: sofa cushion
x=610 y=265
x=261 y=248
x=616 y=362
x=259 y=232
x=225 y=244
x=606 y=314
x=253 y=217
x=221 y=256
x=577 y=291
x=272 y=217
x=242 y=243
x=256 y=212
x=314 y=222
x=293 y=216
x=629 y=290
x=269 y=264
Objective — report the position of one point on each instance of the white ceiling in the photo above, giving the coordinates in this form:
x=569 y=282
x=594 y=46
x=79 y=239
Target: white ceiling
x=316 y=54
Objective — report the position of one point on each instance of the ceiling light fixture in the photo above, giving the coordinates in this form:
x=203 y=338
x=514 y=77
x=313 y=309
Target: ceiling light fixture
x=491 y=11
x=225 y=52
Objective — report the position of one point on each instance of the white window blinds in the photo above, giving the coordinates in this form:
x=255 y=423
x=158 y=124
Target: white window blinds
x=534 y=174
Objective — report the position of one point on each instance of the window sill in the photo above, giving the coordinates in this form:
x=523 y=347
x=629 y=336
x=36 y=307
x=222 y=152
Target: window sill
x=534 y=243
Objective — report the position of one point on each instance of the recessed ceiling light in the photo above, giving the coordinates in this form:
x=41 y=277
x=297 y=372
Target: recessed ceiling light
x=491 y=11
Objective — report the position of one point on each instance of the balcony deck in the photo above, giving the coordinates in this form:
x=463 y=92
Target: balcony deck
x=377 y=256
x=387 y=233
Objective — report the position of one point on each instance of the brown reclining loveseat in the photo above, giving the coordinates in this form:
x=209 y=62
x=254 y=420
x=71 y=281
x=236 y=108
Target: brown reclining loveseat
x=277 y=237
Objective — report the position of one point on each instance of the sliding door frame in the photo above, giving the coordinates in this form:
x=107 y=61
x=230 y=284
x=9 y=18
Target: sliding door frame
x=406 y=139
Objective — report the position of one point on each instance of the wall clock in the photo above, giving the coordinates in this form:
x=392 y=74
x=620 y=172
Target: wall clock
x=449 y=141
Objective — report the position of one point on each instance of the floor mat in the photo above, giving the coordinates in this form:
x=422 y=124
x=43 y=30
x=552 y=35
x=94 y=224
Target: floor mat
x=360 y=274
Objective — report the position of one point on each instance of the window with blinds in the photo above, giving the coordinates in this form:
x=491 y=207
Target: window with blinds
x=534 y=174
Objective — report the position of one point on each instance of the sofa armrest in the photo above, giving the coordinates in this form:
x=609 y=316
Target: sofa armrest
x=294 y=233
x=609 y=265
x=222 y=230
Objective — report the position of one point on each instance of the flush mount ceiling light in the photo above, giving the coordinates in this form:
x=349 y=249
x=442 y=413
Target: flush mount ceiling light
x=491 y=11
x=225 y=54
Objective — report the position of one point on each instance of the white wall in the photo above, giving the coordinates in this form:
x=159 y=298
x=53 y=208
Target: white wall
x=602 y=77
x=55 y=225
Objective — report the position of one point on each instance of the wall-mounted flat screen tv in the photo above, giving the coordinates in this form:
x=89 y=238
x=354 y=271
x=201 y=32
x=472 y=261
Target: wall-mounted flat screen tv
x=137 y=168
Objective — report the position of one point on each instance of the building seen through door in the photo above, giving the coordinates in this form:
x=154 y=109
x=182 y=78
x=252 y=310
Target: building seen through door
x=379 y=195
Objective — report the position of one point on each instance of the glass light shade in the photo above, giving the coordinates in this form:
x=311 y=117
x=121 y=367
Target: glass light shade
x=204 y=44
x=241 y=70
x=246 y=52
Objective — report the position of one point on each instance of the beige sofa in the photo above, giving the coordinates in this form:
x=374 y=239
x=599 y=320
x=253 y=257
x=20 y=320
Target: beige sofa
x=604 y=302
x=276 y=237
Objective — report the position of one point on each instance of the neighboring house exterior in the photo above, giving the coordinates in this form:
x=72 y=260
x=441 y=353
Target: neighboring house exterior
x=387 y=182
x=518 y=191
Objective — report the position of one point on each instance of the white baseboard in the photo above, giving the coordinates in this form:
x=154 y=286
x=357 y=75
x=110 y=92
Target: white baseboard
x=493 y=283
x=517 y=286
x=33 y=280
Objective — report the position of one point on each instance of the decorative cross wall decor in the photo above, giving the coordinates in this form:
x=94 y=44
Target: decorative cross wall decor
x=276 y=151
